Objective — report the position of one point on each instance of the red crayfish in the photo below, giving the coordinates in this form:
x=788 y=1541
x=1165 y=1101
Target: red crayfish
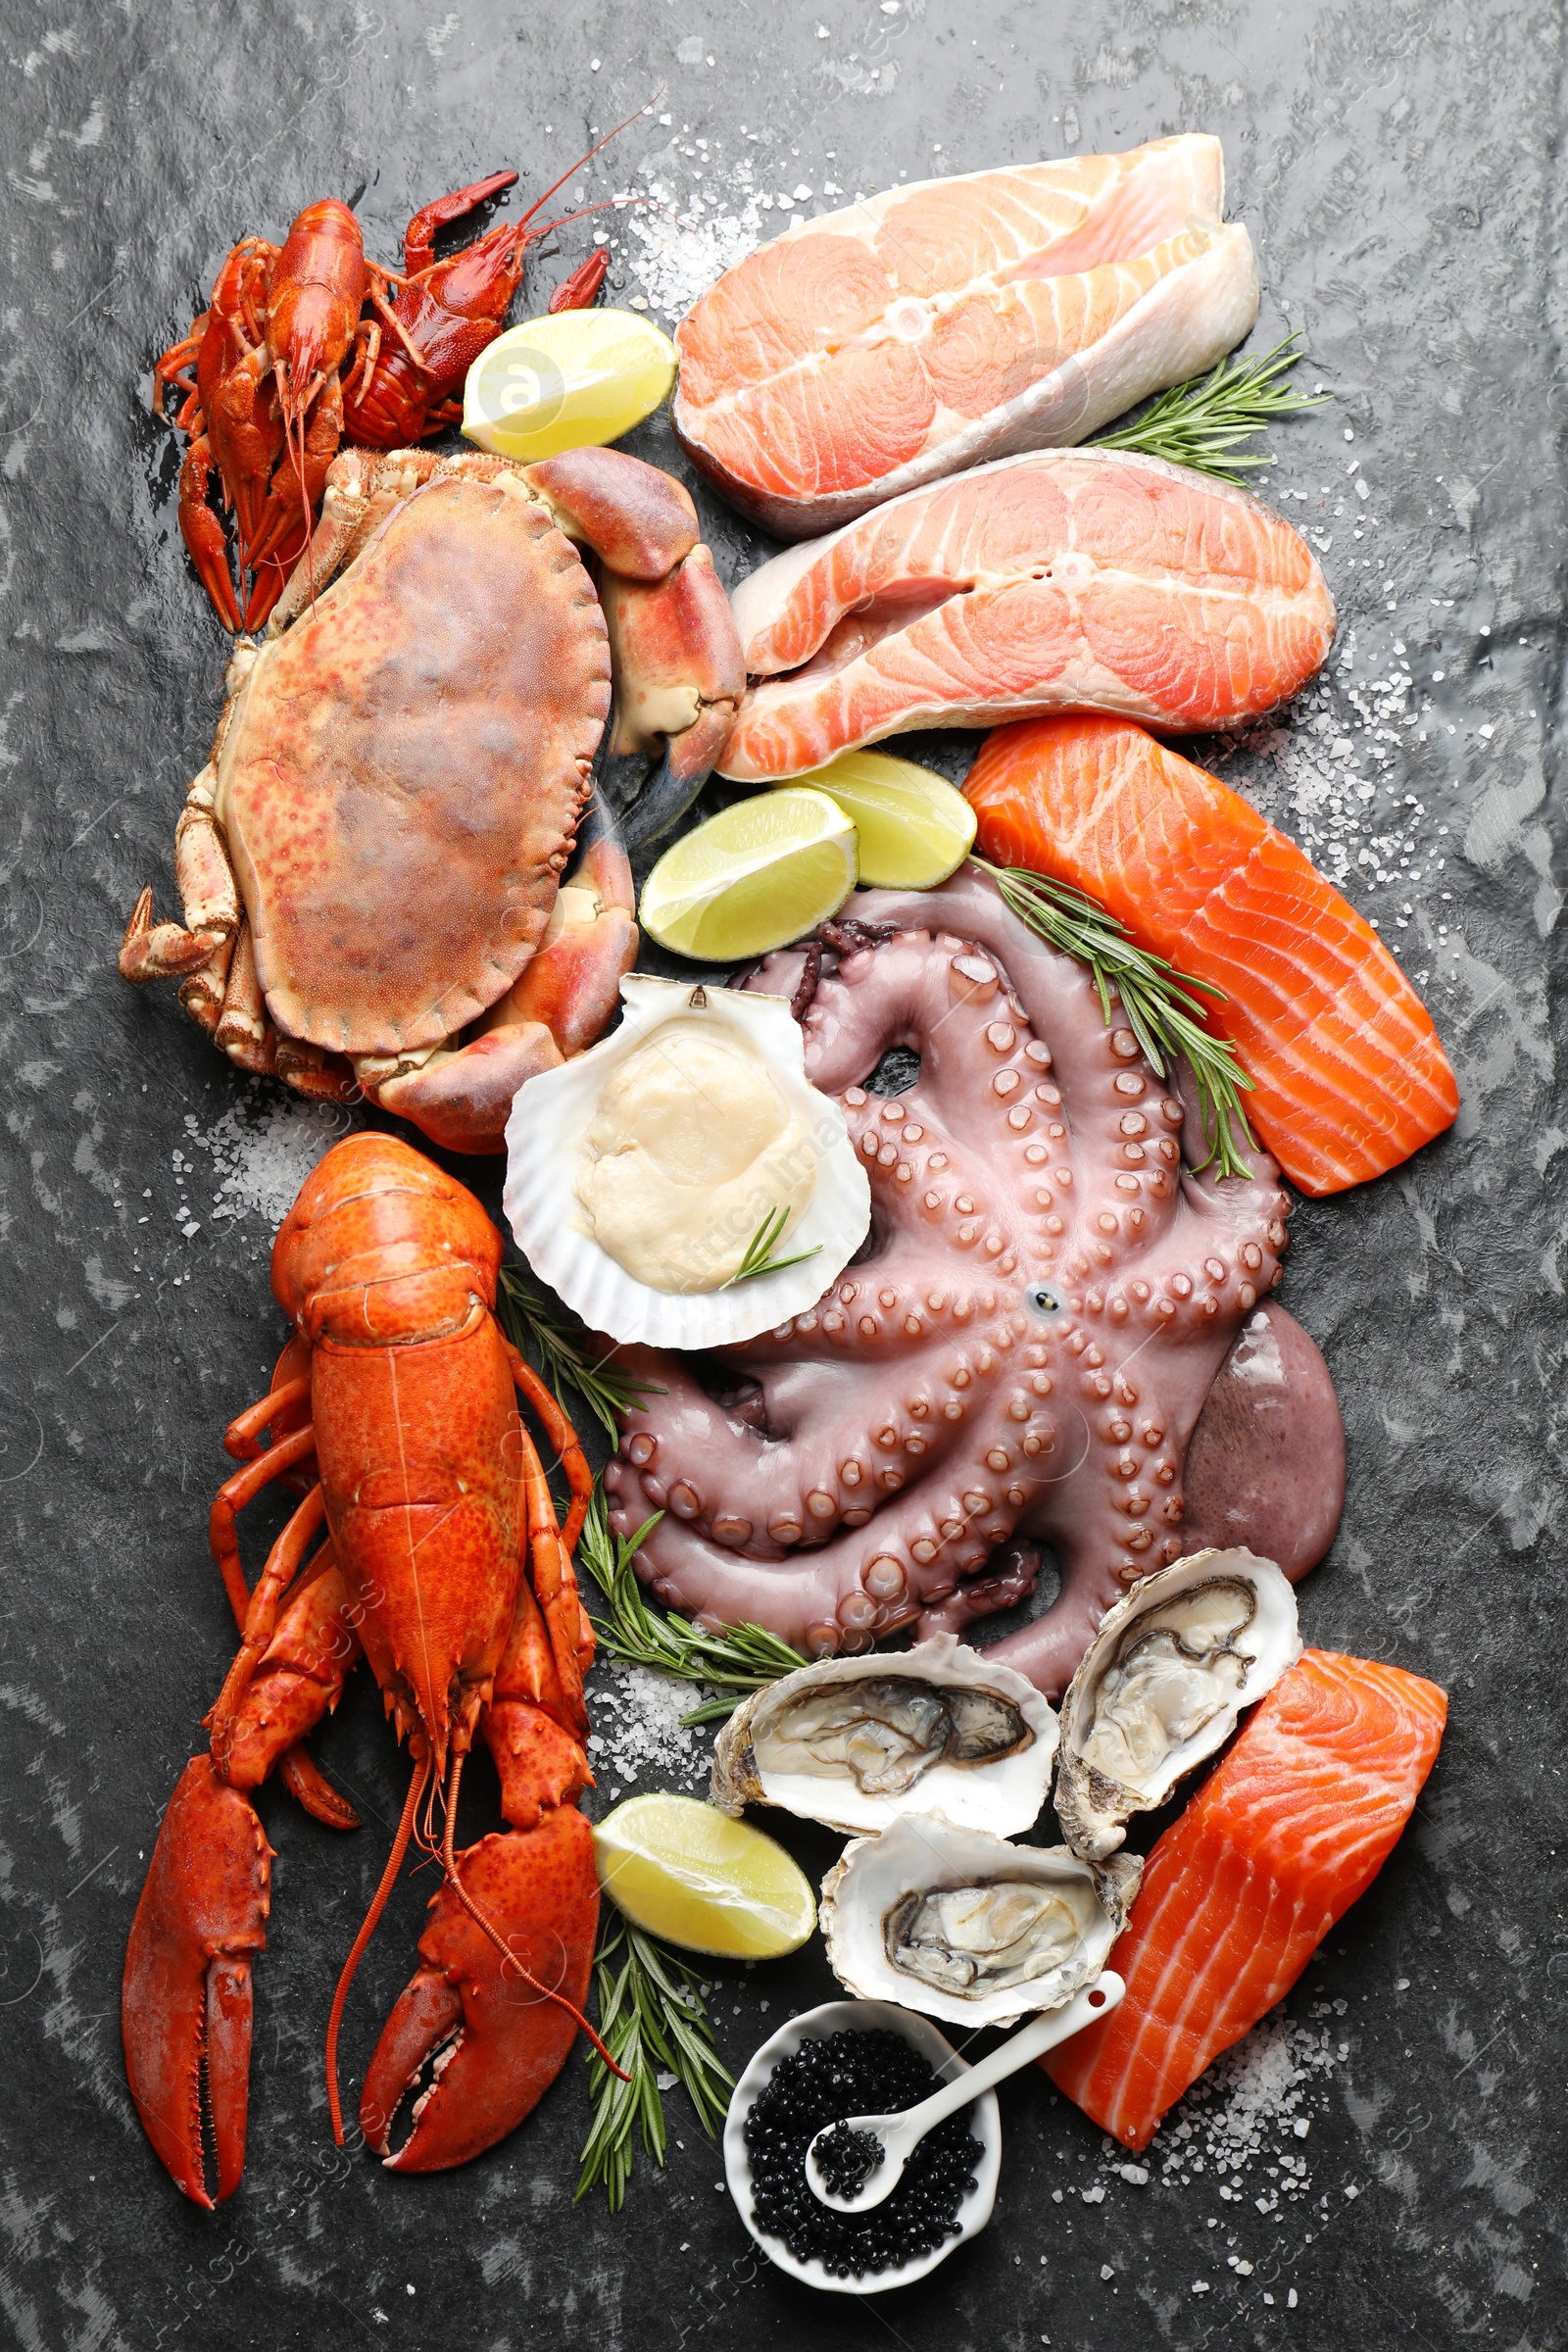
x=393 y=1405
x=309 y=343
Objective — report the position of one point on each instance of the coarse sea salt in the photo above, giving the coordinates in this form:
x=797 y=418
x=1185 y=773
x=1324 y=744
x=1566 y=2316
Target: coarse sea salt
x=1246 y=2123
x=638 y=1737
x=261 y=1151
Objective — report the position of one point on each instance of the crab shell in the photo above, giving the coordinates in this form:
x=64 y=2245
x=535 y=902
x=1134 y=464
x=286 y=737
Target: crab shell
x=928 y=1854
x=1091 y=1806
x=1004 y=1795
x=403 y=770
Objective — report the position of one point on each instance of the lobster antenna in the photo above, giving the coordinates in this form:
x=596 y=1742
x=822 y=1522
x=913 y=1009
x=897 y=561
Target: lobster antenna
x=378 y=1900
x=449 y=1865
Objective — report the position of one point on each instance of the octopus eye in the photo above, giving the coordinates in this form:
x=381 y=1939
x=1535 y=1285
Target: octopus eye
x=1045 y=1301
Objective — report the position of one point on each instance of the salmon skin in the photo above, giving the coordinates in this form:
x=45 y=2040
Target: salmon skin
x=1348 y=1071
x=1238 y=1894
x=959 y=320
x=1068 y=580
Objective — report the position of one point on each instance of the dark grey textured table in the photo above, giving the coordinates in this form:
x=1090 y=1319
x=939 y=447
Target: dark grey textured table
x=1395 y=165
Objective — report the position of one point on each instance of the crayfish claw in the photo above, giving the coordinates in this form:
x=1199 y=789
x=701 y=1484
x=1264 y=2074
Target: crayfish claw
x=492 y=2044
x=185 y=2008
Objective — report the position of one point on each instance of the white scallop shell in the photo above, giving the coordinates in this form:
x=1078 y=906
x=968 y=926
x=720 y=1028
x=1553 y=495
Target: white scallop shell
x=929 y=1855
x=1004 y=1795
x=551 y=1117
x=1093 y=1803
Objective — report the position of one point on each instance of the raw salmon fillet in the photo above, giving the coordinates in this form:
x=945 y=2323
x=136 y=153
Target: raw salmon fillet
x=1348 y=1075
x=1238 y=1893
x=959 y=319
x=1068 y=580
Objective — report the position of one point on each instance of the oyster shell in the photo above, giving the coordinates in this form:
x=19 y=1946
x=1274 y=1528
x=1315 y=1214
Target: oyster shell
x=857 y=1742
x=964 y=1926
x=552 y=1138
x=1161 y=1685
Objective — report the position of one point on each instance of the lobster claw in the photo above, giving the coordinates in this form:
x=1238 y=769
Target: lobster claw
x=492 y=2044
x=187 y=1999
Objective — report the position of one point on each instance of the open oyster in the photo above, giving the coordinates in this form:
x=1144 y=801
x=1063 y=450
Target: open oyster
x=857 y=1742
x=967 y=1927
x=641 y=1173
x=1161 y=1685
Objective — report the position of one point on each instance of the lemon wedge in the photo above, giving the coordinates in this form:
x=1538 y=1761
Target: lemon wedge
x=686 y=1872
x=756 y=876
x=916 y=829
x=571 y=381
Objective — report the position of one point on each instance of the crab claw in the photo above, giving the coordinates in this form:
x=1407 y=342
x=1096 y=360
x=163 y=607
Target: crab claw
x=678 y=666
x=186 y=2000
x=494 y=2044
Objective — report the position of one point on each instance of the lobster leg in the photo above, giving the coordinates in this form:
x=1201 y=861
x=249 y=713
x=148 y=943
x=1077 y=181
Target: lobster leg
x=237 y=1492
x=261 y=1621
x=187 y=1999
x=569 y=1453
x=292 y=1453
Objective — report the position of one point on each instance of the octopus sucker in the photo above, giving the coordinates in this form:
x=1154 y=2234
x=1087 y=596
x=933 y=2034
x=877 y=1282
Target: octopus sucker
x=986 y=1409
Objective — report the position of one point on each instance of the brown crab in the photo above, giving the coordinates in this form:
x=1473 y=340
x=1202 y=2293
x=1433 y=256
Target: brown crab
x=370 y=863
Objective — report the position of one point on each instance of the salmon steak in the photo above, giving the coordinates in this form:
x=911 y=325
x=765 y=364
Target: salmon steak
x=1238 y=1894
x=958 y=321
x=1348 y=1074
x=1066 y=580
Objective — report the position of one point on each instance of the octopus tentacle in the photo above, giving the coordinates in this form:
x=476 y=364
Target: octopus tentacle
x=1025 y=1346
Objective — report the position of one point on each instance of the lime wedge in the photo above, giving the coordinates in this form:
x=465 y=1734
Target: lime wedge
x=916 y=829
x=685 y=1871
x=571 y=381
x=753 y=877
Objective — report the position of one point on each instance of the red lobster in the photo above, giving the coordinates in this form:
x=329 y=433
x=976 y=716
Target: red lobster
x=306 y=343
x=393 y=1405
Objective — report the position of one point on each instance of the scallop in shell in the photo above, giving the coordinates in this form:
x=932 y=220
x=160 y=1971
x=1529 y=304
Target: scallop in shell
x=858 y=1742
x=1161 y=1685
x=967 y=1927
x=639 y=1172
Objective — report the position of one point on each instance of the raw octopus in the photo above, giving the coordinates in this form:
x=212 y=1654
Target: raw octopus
x=1023 y=1350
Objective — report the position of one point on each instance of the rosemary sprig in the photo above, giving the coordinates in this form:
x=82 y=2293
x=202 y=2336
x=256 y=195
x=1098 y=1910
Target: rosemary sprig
x=1159 y=1005
x=532 y=1322
x=1200 y=423
x=741 y=1658
x=651 y=2015
x=759 y=1258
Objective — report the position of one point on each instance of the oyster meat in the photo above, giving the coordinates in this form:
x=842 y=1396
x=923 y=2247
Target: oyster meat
x=1162 y=1684
x=967 y=1927
x=856 y=1741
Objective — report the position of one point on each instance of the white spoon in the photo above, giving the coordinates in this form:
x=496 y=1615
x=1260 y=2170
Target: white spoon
x=901 y=2133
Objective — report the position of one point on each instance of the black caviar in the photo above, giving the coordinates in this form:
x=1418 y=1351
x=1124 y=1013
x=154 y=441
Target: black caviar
x=846 y=2159
x=822 y=2082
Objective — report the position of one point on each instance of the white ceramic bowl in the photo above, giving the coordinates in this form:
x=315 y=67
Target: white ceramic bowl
x=837 y=2017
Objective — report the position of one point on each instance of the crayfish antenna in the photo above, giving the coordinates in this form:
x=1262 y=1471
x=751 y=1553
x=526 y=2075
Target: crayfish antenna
x=594 y=150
